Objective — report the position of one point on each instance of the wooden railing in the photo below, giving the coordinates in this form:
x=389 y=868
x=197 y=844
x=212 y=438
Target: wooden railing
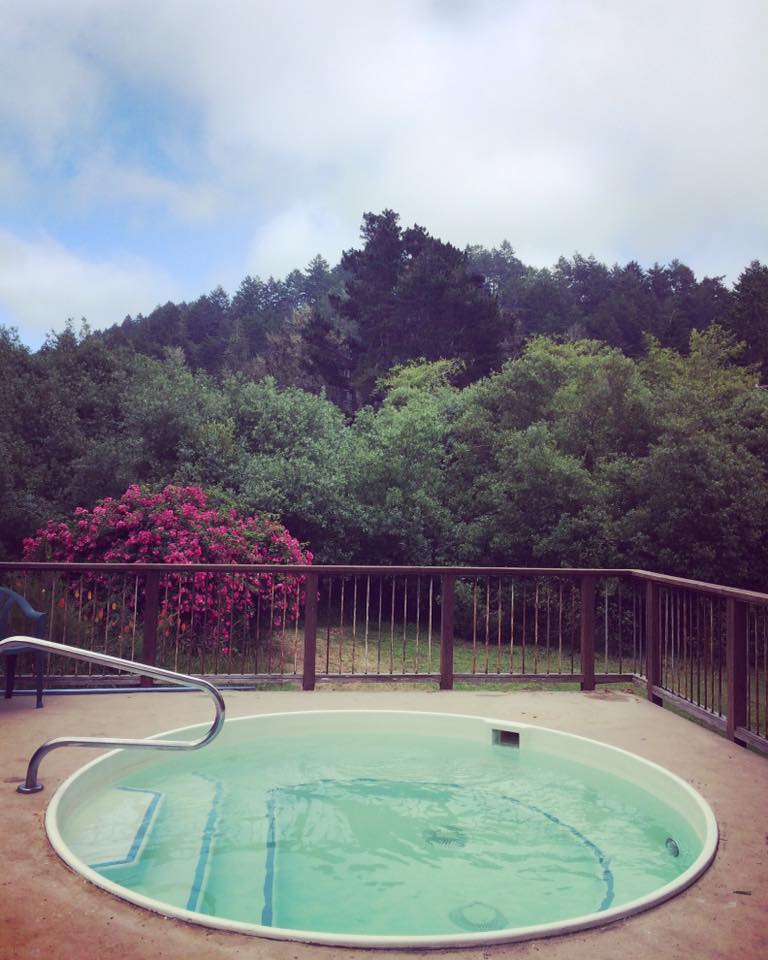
x=699 y=647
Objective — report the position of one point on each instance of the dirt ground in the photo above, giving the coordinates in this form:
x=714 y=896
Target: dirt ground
x=47 y=911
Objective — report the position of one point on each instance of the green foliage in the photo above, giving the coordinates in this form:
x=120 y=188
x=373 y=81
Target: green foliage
x=399 y=478
x=422 y=404
x=408 y=295
x=748 y=317
x=575 y=454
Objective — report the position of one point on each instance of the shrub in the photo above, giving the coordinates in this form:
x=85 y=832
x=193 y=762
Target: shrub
x=179 y=525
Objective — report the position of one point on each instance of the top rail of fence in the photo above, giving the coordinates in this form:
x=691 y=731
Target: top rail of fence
x=321 y=569
x=683 y=583
x=715 y=589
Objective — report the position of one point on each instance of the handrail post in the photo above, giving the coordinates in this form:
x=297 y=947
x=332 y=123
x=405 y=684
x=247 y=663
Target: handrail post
x=310 y=632
x=447 y=598
x=652 y=640
x=151 y=605
x=736 y=660
x=588 y=632
x=31 y=784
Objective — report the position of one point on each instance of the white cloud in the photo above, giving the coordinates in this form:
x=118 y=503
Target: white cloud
x=292 y=238
x=51 y=91
x=619 y=129
x=13 y=181
x=42 y=285
x=102 y=175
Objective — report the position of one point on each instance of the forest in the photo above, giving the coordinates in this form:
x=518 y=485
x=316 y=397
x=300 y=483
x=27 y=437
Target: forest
x=418 y=403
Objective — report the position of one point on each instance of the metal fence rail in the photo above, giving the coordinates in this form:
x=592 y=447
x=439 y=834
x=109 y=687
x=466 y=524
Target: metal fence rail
x=700 y=647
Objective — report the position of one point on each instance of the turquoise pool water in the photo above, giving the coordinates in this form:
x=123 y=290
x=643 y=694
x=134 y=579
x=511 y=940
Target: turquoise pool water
x=350 y=827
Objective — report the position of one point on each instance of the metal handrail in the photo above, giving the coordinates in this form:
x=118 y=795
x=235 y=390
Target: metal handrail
x=17 y=644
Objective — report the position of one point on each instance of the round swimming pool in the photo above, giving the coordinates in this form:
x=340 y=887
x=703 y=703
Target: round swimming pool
x=379 y=828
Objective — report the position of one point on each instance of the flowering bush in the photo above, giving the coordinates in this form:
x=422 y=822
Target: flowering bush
x=179 y=526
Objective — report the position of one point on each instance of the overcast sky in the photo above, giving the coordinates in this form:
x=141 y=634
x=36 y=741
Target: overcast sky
x=153 y=149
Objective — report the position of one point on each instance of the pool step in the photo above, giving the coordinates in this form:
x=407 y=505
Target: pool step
x=171 y=846
x=122 y=820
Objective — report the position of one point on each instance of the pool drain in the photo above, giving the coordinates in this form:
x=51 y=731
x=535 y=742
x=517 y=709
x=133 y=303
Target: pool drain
x=672 y=847
x=478 y=916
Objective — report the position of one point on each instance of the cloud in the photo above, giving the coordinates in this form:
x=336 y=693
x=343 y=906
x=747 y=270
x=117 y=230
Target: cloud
x=292 y=238
x=50 y=92
x=620 y=129
x=42 y=285
x=103 y=175
x=13 y=181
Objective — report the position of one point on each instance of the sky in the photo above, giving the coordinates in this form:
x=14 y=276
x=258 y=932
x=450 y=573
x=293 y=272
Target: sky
x=151 y=150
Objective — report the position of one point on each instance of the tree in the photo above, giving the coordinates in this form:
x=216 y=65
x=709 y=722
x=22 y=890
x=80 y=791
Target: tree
x=398 y=479
x=294 y=460
x=207 y=325
x=21 y=466
x=532 y=452
x=409 y=296
x=695 y=504
x=748 y=317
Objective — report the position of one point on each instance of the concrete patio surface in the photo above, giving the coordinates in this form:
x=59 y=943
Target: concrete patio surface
x=48 y=911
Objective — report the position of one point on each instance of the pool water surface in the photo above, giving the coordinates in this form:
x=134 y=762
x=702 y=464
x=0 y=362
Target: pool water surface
x=341 y=827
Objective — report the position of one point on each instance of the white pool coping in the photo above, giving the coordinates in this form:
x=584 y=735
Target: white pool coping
x=646 y=774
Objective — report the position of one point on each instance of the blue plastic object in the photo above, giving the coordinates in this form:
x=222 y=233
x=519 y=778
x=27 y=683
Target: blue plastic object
x=8 y=600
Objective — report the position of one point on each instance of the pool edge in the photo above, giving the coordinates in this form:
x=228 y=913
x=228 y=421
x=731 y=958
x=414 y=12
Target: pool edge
x=424 y=942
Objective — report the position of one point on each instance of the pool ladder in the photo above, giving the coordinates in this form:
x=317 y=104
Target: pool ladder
x=17 y=644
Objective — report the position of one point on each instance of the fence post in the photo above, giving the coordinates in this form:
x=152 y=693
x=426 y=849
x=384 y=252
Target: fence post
x=588 y=632
x=736 y=660
x=447 y=597
x=652 y=640
x=151 y=604
x=310 y=631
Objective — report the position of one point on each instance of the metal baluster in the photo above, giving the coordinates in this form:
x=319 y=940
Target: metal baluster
x=177 y=639
x=257 y=647
x=687 y=654
x=512 y=627
x=405 y=620
x=429 y=627
x=499 y=614
x=605 y=627
x=621 y=626
x=560 y=628
x=720 y=660
x=341 y=628
x=474 y=625
x=92 y=646
x=751 y=618
x=523 y=639
x=378 y=640
x=367 y=614
x=487 y=619
x=548 y=586
x=392 y=628
x=418 y=618
x=121 y=634
x=247 y=607
x=765 y=671
x=665 y=638
x=573 y=626
x=283 y=624
x=233 y=594
x=328 y=628
x=295 y=611
x=354 y=621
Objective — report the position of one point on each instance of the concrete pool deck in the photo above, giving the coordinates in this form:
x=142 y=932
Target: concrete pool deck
x=48 y=911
